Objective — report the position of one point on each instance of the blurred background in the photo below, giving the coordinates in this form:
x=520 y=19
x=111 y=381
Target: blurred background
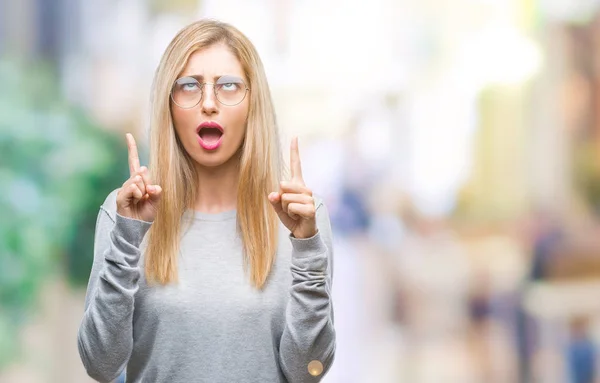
x=456 y=143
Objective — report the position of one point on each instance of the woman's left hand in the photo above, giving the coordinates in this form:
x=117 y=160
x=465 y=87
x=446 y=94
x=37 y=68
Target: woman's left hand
x=294 y=202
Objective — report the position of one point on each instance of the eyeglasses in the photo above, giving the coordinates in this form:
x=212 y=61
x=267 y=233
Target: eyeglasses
x=229 y=90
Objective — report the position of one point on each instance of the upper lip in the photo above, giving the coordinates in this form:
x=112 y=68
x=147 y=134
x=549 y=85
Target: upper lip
x=209 y=124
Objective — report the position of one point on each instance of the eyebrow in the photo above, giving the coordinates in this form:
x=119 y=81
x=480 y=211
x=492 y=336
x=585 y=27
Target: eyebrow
x=200 y=78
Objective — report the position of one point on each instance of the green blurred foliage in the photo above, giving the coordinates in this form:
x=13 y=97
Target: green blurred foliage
x=56 y=168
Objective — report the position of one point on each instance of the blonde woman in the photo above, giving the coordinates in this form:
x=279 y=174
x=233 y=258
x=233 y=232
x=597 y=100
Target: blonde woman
x=207 y=266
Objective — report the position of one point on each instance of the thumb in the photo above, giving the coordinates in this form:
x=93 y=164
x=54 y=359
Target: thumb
x=155 y=192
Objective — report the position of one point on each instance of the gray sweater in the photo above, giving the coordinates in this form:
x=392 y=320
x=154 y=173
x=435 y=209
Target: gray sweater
x=212 y=326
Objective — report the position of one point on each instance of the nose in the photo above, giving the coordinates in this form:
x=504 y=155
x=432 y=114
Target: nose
x=209 y=101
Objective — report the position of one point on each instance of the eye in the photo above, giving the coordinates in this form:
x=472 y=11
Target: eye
x=188 y=84
x=229 y=86
x=230 y=83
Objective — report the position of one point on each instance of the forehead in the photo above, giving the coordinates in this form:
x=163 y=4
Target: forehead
x=213 y=61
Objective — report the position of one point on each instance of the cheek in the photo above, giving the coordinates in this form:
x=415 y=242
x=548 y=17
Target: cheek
x=240 y=117
x=181 y=119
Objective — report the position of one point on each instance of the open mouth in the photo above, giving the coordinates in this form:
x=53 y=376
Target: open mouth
x=210 y=135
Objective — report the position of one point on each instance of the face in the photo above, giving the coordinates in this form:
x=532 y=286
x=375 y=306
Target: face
x=211 y=131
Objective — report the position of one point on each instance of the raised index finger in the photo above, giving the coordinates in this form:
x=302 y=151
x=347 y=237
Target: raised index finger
x=295 y=165
x=134 y=159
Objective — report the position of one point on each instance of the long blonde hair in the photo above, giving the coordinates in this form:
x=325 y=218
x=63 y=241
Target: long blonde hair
x=173 y=169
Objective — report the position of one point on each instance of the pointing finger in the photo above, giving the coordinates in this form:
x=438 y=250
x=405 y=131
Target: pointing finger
x=295 y=165
x=134 y=159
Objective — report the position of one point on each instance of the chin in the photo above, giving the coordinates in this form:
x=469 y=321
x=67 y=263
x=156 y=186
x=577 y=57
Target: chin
x=211 y=162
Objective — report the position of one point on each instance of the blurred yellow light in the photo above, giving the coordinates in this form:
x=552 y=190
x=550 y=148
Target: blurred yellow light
x=315 y=368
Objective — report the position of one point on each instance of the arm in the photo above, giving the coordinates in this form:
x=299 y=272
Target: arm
x=105 y=337
x=309 y=334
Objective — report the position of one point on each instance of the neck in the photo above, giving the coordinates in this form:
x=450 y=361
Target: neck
x=217 y=187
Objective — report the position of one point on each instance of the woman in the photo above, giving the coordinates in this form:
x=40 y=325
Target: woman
x=206 y=267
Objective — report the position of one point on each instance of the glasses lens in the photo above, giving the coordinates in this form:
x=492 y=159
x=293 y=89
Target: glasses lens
x=230 y=90
x=186 y=92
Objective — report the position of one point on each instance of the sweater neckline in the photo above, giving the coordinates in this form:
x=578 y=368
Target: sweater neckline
x=213 y=217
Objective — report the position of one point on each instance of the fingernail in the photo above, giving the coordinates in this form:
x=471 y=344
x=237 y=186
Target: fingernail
x=150 y=188
x=143 y=169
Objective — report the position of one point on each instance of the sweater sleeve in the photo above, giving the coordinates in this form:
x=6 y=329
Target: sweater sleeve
x=308 y=340
x=105 y=337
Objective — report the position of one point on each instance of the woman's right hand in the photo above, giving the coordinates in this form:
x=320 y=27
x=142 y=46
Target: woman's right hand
x=138 y=198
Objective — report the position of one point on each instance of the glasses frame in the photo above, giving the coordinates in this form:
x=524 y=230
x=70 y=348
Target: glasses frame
x=202 y=84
